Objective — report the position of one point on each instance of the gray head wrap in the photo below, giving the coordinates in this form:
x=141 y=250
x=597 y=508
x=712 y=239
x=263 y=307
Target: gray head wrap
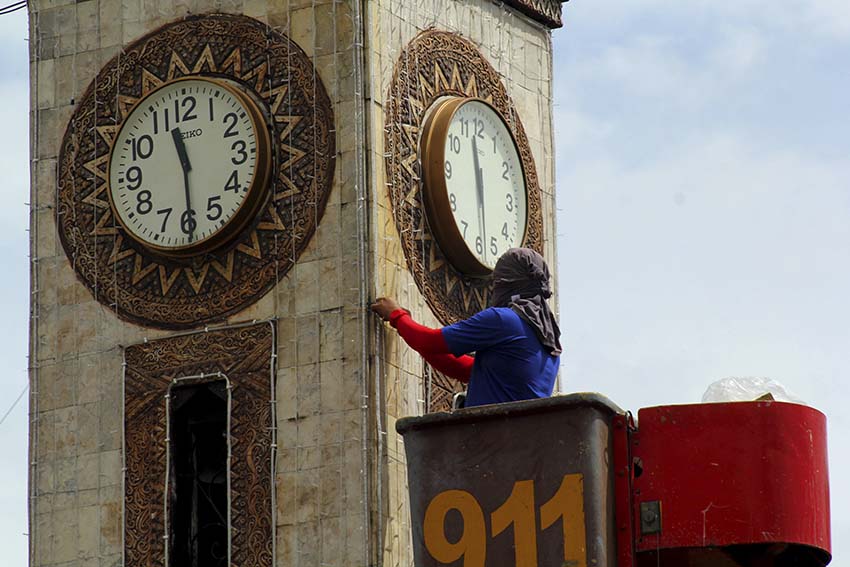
x=521 y=282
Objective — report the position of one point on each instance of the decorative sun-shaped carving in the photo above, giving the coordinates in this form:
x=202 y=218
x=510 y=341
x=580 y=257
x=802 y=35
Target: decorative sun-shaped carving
x=150 y=289
x=437 y=64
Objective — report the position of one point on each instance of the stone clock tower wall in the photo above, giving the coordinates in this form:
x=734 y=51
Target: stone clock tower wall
x=317 y=382
x=519 y=50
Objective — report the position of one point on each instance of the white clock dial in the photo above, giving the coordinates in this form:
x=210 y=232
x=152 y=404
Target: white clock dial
x=484 y=180
x=475 y=173
x=188 y=165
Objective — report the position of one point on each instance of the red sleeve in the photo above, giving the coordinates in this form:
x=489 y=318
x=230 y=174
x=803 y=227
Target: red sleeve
x=432 y=346
x=457 y=367
x=422 y=339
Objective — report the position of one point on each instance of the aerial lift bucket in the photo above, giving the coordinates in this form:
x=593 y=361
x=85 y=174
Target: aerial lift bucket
x=525 y=484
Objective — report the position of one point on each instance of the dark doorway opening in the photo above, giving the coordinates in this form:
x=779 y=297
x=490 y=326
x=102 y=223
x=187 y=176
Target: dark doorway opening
x=198 y=491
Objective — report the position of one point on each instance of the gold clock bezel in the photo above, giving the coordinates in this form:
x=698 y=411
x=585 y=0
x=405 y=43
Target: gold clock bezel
x=438 y=210
x=257 y=192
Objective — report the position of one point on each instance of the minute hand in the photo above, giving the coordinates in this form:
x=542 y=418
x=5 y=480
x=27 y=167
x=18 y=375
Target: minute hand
x=187 y=167
x=479 y=198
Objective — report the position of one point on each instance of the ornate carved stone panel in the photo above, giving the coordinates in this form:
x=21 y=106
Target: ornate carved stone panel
x=149 y=289
x=243 y=355
x=440 y=391
x=437 y=64
x=547 y=12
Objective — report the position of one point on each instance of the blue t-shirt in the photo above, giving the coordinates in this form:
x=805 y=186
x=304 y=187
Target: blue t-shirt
x=510 y=363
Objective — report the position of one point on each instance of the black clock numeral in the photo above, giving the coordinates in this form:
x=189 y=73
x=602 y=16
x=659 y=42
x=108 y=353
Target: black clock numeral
x=165 y=111
x=494 y=249
x=231 y=129
x=233 y=182
x=465 y=226
x=134 y=177
x=167 y=213
x=239 y=146
x=454 y=143
x=141 y=147
x=448 y=169
x=155 y=122
x=211 y=109
x=509 y=202
x=505 y=231
x=494 y=144
x=464 y=127
x=143 y=202
x=479 y=246
x=479 y=128
x=213 y=206
x=188 y=224
x=188 y=113
x=453 y=201
x=505 y=170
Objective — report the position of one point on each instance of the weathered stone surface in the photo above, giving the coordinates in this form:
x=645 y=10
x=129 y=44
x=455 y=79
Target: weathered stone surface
x=334 y=429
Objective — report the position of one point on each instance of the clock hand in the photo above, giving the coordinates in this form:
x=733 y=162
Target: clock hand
x=479 y=197
x=187 y=167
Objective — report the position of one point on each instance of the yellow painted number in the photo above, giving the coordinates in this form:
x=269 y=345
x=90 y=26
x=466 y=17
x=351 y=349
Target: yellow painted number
x=568 y=504
x=472 y=545
x=518 y=511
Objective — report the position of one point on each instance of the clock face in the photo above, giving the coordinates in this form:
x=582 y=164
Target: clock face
x=476 y=197
x=252 y=137
x=189 y=166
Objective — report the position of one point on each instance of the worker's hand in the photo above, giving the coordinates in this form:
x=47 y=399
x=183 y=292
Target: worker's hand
x=384 y=306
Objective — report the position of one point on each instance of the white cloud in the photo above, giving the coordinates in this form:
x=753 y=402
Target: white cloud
x=671 y=69
x=827 y=19
x=575 y=129
x=704 y=231
x=646 y=65
x=739 y=49
x=712 y=258
x=721 y=183
x=14 y=116
x=830 y=18
x=14 y=162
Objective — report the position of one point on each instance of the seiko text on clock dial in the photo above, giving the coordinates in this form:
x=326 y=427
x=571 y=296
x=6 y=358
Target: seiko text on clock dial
x=189 y=165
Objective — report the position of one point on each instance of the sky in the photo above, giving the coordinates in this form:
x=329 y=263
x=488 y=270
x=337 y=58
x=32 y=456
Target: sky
x=14 y=286
x=703 y=179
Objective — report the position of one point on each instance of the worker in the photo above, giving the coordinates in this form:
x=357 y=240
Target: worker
x=515 y=340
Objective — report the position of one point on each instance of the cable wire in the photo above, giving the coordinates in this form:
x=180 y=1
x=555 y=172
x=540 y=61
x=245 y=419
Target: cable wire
x=13 y=7
x=15 y=403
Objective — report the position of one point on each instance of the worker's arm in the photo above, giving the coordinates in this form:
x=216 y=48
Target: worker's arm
x=426 y=341
x=432 y=346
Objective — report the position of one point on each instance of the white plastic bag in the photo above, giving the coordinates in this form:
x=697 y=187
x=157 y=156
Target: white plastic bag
x=747 y=389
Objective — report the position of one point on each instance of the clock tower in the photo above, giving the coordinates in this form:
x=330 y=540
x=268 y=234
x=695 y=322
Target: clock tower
x=220 y=188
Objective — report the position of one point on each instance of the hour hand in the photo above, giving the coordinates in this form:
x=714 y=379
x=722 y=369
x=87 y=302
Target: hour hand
x=181 y=149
